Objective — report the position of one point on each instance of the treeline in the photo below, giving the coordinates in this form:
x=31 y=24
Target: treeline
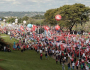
x=38 y=20
x=20 y=14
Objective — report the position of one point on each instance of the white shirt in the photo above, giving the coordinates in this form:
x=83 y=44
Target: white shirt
x=60 y=53
x=65 y=58
x=45 y=48
x=4 y=47
x=87 y=68
x=56 y=51
x=83 y=54
x=40 y=51
x=73 y=64
x=52 y=51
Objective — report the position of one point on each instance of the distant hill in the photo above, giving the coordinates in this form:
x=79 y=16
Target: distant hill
x=20 y=14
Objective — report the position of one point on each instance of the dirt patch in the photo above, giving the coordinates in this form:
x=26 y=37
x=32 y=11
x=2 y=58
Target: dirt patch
x=1 y=68
x=1 y=59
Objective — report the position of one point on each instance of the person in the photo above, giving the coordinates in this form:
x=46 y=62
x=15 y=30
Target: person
x=10 y=37
x=60 y=60
x=81 y=66
x=41 y=56
x=56 y=59
x=46 y=49
x=21 y=49
x=40 y=51
x=24 y=47
x=4 y=48
x=46 y=55
x=14 y=46
x=87 y=68
x=18 y=47
x=73 y=64
x=66 y=57
x=69 y=68
x=63 y=68
x=75 y=59
x=37 y=49
x=77 y=64
x=8 y=49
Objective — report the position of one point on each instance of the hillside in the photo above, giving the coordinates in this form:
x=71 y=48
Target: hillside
x=20 y=14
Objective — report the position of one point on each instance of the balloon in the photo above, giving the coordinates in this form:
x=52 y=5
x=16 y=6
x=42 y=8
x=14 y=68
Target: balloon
x=57 y=27
x=58 y=17
x=29 y=25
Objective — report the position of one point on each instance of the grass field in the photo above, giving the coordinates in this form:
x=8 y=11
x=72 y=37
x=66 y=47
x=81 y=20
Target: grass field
x=7 y=38
x=28 y=60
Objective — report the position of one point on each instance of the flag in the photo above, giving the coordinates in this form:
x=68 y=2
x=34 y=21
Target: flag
x=87 y=41
x=46 y=28
x=34 y=27
x=28 y=29
x=21 y=28
x=48 y=34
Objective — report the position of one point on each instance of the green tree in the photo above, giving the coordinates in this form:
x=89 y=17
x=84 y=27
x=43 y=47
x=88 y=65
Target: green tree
x=71 y=15
x=38 y=17
x=49 y=16
x=25 y=18
x=11 y=20
x=20 y=20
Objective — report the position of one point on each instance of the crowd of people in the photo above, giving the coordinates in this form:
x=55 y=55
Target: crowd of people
x=66 y=48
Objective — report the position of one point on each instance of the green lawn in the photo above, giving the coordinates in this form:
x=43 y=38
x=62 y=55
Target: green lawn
x=28 y=60
x=7 y=38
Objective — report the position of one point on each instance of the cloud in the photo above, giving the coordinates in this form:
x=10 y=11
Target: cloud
x=36 y=5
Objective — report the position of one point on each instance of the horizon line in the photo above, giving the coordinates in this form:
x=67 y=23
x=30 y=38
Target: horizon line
x=22 y=11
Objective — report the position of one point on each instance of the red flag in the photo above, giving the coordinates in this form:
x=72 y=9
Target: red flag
x=28 y=29
x=21 y=28
x=34 y=27
x=46 y=28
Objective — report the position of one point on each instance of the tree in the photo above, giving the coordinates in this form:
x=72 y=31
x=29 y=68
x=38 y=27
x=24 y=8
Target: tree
x=49 y=16
x=20 y=20
x=71 y=15
x=38 y=17
x=25 y=18
x=11 y=20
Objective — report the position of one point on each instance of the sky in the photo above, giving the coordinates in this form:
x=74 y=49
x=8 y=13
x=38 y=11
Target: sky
x=36 y=5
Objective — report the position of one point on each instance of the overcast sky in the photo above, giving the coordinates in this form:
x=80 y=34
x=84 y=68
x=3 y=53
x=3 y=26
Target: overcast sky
x=36 y=5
